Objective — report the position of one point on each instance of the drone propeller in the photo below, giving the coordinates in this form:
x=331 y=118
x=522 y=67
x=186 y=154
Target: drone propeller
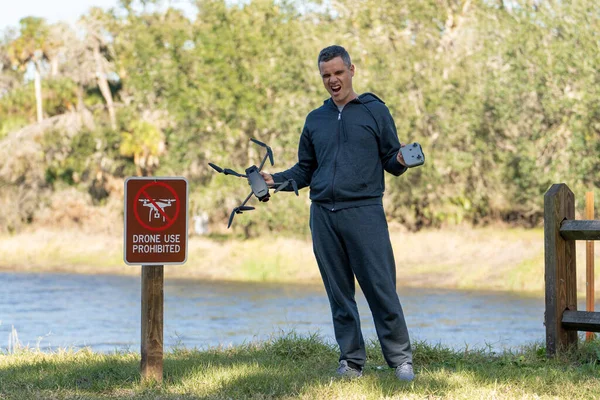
x=286 y=183
x=269 y=151
x=241 y=208
x=282 y=186
x=215 y=167
x=228 y=171
x=238 y=210
x=231 y=218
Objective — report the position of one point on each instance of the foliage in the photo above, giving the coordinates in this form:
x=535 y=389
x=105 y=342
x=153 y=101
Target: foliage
x=501 y=95
x=32 y=43
x=144 y=142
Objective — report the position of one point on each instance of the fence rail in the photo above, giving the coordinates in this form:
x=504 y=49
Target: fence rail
x=580 y=230
x=581 y=320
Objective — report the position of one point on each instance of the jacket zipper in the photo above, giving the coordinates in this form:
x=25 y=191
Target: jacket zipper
x=337 y=149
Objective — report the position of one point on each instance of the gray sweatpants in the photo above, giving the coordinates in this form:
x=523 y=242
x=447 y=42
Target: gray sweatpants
x=355 y=242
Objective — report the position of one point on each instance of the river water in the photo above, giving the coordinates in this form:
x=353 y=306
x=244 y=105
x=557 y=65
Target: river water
x=50 y=311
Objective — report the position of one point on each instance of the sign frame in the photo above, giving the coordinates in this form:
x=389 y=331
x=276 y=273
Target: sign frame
x=183 y=213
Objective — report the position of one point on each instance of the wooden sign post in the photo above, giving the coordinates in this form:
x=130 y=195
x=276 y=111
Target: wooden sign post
x=155 y=235
x=152 y=322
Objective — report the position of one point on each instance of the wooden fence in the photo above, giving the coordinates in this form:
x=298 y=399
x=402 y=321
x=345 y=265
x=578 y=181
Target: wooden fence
x=561 y=230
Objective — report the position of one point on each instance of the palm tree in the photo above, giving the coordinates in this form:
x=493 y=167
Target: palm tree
x=145 y=142
x=30 y=48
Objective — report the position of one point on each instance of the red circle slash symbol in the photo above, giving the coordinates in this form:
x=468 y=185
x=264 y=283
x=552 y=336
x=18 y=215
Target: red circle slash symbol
x=156 y=207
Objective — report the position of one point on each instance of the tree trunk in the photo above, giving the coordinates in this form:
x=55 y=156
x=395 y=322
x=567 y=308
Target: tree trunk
x=80 y=104
x=138 y=167
x=54 y=67
x=103 y=85
x=38 y=92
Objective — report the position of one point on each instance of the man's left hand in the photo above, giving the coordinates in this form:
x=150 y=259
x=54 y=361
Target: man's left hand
x=399 y=156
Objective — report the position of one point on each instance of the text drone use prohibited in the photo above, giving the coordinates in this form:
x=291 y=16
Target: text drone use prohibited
x=260 y=189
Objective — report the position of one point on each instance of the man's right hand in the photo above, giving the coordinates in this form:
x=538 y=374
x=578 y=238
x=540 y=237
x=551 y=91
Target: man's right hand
x=268 y=178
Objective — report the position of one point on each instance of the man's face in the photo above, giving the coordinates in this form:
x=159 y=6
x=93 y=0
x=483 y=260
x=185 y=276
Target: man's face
x=337 y=79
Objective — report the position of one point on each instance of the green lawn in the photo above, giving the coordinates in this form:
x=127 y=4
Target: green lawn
x=302 y=367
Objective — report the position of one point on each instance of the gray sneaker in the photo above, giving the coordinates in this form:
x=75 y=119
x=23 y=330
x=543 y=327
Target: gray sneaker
x=404 y=372
x=346 y=371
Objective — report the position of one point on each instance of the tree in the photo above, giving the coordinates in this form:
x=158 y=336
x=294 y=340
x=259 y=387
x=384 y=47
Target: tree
x=503 y=95
x=97 y=46
x=145 y=143
x=9 y=77
x=31 y=48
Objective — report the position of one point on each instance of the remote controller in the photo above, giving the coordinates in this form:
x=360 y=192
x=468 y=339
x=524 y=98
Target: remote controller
x=413 y=155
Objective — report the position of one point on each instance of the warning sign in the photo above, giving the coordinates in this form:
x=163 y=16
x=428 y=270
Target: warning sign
x=155 y=221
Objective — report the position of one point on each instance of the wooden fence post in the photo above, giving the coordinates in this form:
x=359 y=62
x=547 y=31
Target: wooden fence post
x=589 y=263
x=152 y=322
x=561 y=283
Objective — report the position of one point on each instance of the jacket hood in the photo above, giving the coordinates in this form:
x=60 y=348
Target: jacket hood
x=369 y=97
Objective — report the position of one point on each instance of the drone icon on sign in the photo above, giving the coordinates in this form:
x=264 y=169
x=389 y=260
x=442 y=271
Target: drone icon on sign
x=153 y=212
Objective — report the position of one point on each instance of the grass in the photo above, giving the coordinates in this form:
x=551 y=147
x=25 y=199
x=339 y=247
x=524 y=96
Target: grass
x=301 y=367
x=504 y=259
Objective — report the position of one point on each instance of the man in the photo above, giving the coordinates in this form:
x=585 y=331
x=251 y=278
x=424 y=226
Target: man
x=345 y=146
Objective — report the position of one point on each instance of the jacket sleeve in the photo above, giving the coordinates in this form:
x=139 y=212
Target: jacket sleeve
x=389 y=145
x=303 y=170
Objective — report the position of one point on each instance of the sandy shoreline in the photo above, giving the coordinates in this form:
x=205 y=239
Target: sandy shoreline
x=483 y=259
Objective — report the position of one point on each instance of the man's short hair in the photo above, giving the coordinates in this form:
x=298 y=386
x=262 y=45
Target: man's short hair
x=331 y=52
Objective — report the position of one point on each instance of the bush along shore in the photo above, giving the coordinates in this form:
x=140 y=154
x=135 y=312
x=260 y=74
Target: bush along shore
x=290 y=366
